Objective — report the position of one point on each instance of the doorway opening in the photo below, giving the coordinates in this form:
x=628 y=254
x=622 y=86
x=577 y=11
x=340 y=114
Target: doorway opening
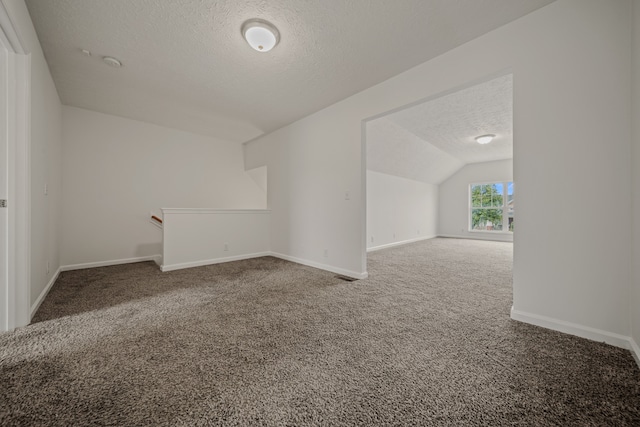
x=428 y=176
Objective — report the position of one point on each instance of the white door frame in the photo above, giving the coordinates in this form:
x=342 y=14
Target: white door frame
x=15 y=283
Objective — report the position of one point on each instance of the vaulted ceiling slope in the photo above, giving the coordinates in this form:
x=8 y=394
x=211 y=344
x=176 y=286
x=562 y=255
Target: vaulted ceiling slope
x=430 y=141
x=186 y=65
x=394 y=150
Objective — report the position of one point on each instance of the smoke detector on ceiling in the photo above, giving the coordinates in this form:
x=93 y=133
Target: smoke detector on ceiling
x=111 y=61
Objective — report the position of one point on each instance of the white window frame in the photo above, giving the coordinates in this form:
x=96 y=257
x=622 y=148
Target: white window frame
x=505 y=212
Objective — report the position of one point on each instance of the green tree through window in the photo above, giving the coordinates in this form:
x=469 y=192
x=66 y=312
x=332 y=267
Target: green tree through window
x=488 y=207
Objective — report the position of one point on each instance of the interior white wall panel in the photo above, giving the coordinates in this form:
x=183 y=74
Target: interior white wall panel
x=571 y=68
x=399 y=209
x=116 y=171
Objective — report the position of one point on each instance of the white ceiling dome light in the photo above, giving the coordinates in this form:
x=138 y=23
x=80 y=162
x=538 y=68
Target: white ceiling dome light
x=485 y=139
x=111 y=61
x=260 y=34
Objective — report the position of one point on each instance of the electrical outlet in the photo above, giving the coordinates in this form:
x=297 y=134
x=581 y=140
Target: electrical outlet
x=418 y=231
x=46 y=189
x=347 y=195
x=394 y=235
x=326 y=253
x=226 y=246
x=371 y=239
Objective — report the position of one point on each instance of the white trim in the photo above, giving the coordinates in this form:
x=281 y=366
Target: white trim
x=157 y=259
x=36 y=305
x=213 y=211
x=497 y=232
x=313 y=264
x=20 y=142
x=8 y=34
x=482 y=237
x=572 y=329
x=363 y=195
x=6 y=255
x=635 y=350
x=212 y=261
x=320 y=266
x=499 y=181
x=109 y=263
x=18 y=127
x=403 y=242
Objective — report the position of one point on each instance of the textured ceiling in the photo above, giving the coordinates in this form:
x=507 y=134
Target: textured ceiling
x=394 y=150
x=430 y=141
x=187 y=66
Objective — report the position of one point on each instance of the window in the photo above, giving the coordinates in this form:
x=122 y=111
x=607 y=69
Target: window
x=491 y=207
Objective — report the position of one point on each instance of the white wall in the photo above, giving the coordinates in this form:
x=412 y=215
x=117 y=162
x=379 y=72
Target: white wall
x=399 y=210
x=312 y=166
x=571 y=66
x=116 y=170
x=635 y=283
x=453 y=200
x=194 y=237
x=46 y=149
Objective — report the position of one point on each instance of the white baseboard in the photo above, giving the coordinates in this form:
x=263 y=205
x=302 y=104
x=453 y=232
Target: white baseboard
x=36 y=305
x=109 y=263
x=635 y=350
x=320 y=266
x=172 y=267
x=573 y=329
x=314 y=264
x=479 y=237
x=158 y=260
x=403 y=242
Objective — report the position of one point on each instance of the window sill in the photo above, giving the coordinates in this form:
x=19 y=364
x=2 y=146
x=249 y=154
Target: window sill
x=491 y=232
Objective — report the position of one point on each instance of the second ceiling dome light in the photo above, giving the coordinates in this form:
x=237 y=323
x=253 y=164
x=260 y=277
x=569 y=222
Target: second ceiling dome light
x=485 y=139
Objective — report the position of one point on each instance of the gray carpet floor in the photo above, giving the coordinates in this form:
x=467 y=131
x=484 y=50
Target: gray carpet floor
x=426 y=340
